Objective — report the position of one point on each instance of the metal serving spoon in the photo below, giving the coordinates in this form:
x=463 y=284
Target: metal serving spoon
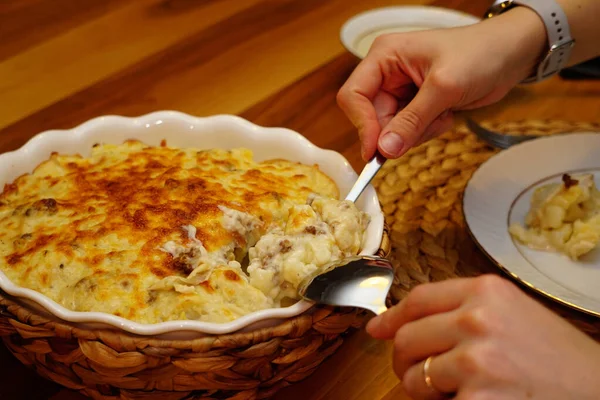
x=366 y=176
x=359 y=281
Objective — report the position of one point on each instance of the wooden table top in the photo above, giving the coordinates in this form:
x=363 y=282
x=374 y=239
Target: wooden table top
x=274 y=62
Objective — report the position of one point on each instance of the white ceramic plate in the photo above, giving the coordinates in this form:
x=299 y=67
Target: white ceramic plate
x=498 y=194
x=359 y=32
x=182 y=130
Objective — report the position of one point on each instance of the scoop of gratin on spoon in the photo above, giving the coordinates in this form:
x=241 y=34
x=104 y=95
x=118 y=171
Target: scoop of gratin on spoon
x=359 y=281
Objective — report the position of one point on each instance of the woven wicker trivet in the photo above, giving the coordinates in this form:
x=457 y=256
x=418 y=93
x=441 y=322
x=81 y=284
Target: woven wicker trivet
x=421 y=194
x=113 y=365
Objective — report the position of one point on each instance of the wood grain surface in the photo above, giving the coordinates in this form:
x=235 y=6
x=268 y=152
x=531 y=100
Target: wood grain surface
x=275 y=62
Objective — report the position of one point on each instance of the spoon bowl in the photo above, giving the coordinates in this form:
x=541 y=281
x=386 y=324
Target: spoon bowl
x=359 y=281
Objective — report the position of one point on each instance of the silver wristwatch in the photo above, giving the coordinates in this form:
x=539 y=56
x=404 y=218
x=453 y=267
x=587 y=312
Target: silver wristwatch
x=560 y=41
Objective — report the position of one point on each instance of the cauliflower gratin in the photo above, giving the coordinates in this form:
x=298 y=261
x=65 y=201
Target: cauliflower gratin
x=154 y=234
x=563 y=217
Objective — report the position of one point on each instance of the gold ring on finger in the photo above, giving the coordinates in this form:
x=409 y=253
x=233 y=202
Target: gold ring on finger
x=428 y=381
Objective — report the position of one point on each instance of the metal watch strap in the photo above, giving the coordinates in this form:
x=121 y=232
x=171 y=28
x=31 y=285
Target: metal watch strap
x=560 y=41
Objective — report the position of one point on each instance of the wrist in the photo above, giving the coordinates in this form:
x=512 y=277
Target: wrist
x=524 y=35
x=556 y=26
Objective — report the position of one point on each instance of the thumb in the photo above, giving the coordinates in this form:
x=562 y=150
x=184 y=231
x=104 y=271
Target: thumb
x=409 y=125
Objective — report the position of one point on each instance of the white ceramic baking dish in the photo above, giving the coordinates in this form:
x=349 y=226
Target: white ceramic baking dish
x=182 y=130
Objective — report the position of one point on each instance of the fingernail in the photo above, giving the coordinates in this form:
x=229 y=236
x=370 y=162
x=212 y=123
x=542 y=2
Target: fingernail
x=391 y=143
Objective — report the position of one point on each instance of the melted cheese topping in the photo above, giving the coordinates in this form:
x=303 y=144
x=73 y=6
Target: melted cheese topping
x=159 y=233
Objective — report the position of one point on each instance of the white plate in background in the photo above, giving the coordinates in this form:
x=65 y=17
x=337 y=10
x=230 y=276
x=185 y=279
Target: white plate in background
x=498 y=194
x=359 y=32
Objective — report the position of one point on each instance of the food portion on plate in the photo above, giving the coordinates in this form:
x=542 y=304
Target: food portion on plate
x=563 y=217
x=154 y=234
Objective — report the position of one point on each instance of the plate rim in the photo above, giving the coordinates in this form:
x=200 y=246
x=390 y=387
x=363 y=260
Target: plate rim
x=544 y=292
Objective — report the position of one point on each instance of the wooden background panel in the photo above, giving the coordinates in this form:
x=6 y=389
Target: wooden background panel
x=26 y=23
x=98 y=48
x=553 y=99
x=309 y=106
x=218 y=58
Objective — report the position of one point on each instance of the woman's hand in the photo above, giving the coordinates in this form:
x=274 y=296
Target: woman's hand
x=488 y=341
x=408 y=85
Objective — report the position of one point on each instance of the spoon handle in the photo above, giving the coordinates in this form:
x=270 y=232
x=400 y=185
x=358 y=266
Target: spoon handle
x=367 y=174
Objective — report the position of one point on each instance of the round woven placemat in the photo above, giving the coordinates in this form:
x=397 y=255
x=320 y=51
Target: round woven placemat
x=421 y=195
x=113 y=365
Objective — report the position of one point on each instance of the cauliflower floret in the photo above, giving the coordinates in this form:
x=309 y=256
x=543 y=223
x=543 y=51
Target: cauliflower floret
x=585 y=237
